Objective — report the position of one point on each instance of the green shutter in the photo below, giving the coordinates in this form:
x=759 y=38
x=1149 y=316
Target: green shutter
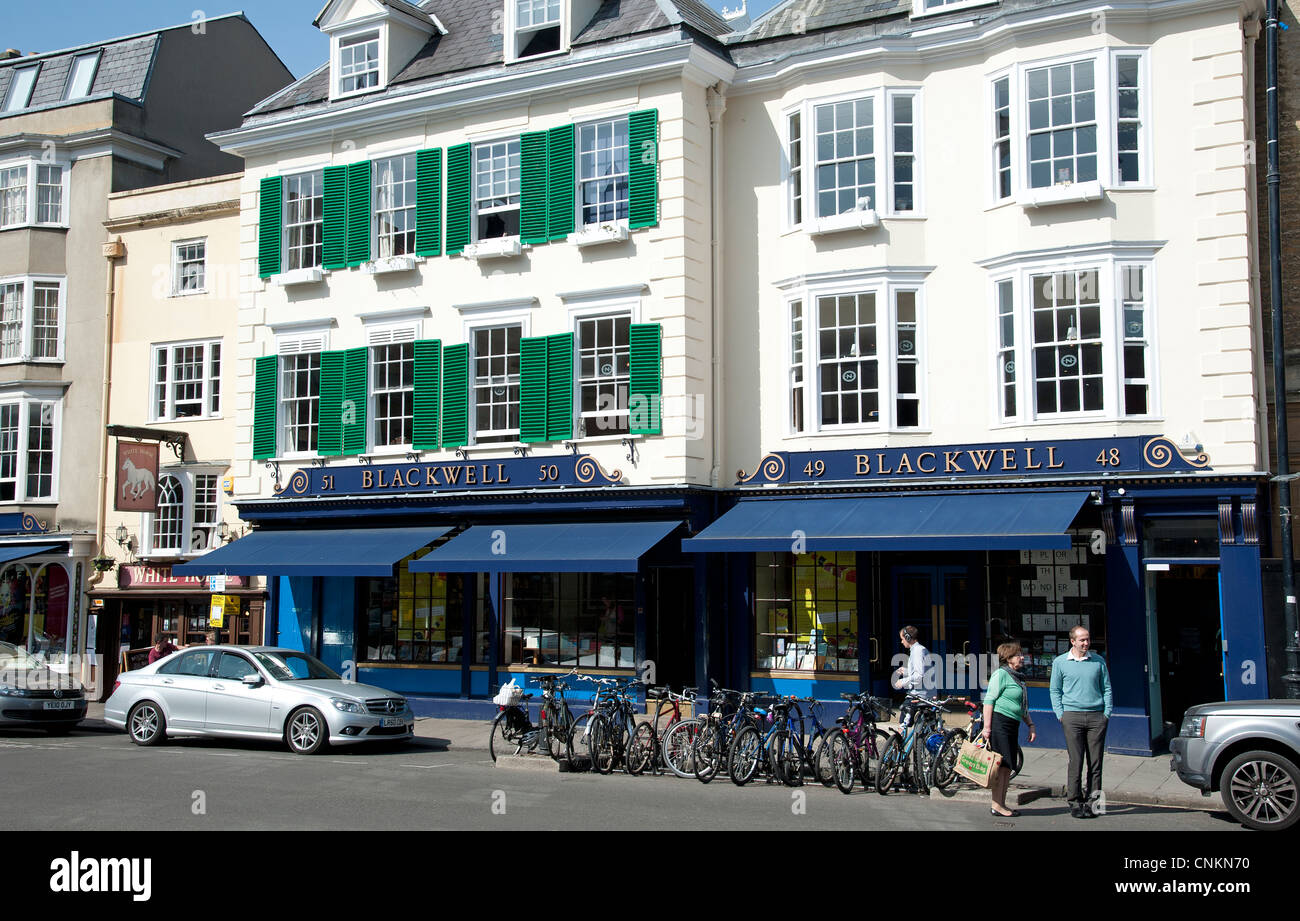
x=428 y=204
x=265 y=404
x=329 y=413
x=455 y=396
x=334 y=227
x=646 y=379
x=561 y=199
x=532 y=188
x=428 y=394
x=559 y=387
x=356 y=400
x=532 y=389
x=458 y=198
x=643 y=169
x=270 y=227
x=359 y=219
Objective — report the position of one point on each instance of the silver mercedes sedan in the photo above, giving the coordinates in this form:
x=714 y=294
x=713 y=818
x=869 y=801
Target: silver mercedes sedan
x=255 y=692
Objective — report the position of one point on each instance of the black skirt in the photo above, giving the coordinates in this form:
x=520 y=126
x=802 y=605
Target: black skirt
x=1004 y=737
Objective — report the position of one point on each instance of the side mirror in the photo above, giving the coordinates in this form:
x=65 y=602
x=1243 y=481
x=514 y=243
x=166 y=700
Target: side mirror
x=252 y=681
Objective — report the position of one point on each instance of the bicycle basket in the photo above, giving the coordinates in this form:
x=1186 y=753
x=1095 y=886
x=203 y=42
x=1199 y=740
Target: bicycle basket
x=510 y=695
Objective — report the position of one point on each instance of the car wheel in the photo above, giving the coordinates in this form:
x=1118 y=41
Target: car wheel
x=306 y=731
x=146 y=724
x=1260 y=789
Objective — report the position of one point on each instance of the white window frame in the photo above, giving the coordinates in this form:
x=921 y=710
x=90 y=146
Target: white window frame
x=474 y=197
x=885 y=288
x=1105 y=72
x=300 y=341
x=176 y=266
x=94 y=59
x=27 y=346
x=487 y=319
x=170 y=384
x=1109 y=265
x=922 y=8
x=188 y=478
x=31 y=215
x=411 y=181
x=11 y=100
x=578 y=180
x=883 y=205
x=285 y=251
x=27 y=400
x=517 y=36
x=380 y=33
x=577 y=316
x=380 y=335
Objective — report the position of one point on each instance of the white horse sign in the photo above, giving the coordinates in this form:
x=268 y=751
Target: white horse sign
x=137 y=477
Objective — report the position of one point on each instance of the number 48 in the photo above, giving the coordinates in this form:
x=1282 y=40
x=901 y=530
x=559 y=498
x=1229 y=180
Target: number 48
x=1109 y=458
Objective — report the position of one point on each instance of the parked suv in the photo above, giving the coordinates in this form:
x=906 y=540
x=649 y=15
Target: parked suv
x=1250 y=751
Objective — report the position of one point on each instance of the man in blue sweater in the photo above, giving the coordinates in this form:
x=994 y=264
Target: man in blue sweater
x=1081 y=699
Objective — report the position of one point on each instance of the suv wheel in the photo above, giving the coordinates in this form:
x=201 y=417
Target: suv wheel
x=1262 y=790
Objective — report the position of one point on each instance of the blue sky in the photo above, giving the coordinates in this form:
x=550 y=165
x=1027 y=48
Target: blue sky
x=286 y=24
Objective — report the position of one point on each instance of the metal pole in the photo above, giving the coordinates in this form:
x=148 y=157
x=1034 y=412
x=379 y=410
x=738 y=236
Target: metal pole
x=1291 y=679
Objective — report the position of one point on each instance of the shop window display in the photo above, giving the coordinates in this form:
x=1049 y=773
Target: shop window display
x=15 y=586
x=414 y=617
x=569 y=619
x=806 y=611
x=1036 y=596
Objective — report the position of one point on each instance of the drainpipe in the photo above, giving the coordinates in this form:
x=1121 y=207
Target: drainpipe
x=716 y=100
x=113 y=250
x=1291 y=678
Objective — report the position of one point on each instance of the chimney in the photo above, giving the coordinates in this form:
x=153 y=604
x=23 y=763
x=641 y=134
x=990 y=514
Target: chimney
x=9 y=54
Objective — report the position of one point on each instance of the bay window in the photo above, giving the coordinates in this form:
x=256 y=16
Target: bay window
x=1081 y=332
x=32 y=193
x=31 y=319
x=28 y=448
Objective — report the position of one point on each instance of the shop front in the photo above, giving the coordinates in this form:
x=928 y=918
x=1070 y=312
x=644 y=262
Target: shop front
x=444 y=580
x=151 y=601
x=830 y=554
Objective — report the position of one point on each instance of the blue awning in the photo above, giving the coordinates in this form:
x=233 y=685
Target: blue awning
x=21 y=551
x=350 y=552
x=983 y=521
x=584 y=547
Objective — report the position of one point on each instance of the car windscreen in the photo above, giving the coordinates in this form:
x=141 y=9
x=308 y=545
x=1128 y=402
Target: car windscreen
x=12 y=656
x=293 y=666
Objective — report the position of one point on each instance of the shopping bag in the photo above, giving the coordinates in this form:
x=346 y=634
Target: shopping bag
x=977 y=764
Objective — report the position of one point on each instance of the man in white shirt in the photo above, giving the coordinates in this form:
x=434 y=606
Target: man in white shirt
x=911 y=677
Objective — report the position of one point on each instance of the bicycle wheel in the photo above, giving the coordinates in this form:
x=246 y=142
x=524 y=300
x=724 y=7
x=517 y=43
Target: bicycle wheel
x=839 y=752
x=786 y=756
x=921 y=759
x=604 y=753
x=891 y=762
x=820 y=764
x=677 y=747
x=708 y=751
x=869 y=756
x=744 y=756
x=559 y=728
x=943 y=773
x=503 y=739
x=578 y=745
x=641 y=750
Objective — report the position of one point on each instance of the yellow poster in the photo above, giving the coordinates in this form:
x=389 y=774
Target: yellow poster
x=826 y=598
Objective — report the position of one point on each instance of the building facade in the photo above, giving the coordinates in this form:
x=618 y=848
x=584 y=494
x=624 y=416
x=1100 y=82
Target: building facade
x=75 y=126
x=627 y=338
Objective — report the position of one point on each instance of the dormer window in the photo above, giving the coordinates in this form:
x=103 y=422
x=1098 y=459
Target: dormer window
x=20 y=88
x=358 y=63
x=82 y=77
x=538 y=27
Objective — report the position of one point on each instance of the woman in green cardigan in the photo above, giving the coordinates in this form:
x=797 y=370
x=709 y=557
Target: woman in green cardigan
x=1006 y=705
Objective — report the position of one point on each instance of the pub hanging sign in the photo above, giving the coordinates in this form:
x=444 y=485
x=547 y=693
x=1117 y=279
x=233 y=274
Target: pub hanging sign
x=1066 y=457
x=473 y=476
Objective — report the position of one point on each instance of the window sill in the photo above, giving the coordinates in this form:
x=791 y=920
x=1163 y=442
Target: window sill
x=1072 y=193
x=31 y=361
x=38 y=502
x=596 y=234
x=299 y=277
x=859 y=430
x=390 y=266
x=853 y=220
x=188 y=293
x=498 y=248
x=28 y=226
x=608 y=439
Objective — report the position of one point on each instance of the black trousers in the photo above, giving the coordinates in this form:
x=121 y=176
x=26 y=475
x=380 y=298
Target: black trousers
x=1085 y=738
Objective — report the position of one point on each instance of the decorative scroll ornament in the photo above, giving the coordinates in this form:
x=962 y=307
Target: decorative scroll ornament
x=587 y=468
x=32 y=523
x=772 y=467
x=1159 y=452
x=299 y=482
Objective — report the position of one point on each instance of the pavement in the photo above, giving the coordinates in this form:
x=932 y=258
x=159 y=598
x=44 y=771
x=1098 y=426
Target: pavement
x=1126 y=778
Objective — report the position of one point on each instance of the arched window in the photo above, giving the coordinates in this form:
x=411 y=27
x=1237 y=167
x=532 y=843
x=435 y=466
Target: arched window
x=169 y=520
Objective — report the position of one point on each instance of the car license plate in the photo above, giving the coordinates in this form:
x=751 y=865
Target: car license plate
x=60 y=704
x=390 y=721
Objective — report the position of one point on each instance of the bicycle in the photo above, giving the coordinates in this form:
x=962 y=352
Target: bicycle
x=513 y=725
x=944 y=775
x=761 y=741
x=673 y=749
x=717 y=727
x=612 y=729
x=909 y=751
x=854 y=749
x=580 y=737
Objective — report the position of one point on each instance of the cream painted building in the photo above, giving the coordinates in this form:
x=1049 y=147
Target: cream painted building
x=965 y=290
